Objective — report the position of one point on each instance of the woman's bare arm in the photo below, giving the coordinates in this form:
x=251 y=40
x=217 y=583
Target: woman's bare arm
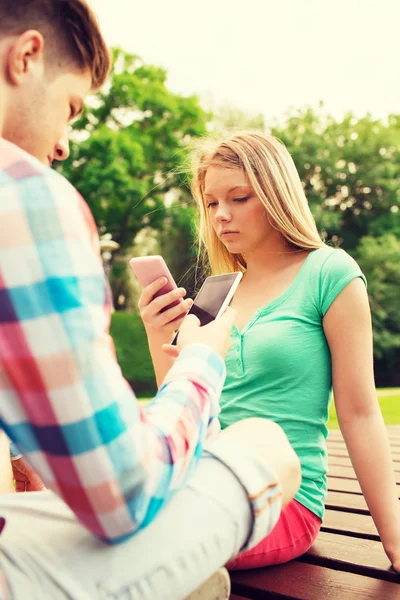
x=348 y=329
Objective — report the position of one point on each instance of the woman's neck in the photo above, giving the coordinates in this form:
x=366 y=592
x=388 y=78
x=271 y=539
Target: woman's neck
x=270 y=258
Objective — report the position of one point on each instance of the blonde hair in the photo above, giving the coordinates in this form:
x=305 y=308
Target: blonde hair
x=274 y=178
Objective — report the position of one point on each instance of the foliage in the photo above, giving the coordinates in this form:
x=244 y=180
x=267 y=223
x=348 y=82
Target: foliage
x=132 y=352
x=389 y=402
x=127 y=151
x=228 y=119
x=379 y=258
x=126 y=160
x=177 y=242
x=350 y=171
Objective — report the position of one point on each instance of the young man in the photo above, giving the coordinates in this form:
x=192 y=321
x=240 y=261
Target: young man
x=63 y=400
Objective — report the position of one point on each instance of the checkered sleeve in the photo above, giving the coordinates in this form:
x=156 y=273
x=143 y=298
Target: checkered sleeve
x=63 y=399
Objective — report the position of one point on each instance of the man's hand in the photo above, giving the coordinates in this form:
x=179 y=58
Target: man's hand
x=216 y=334
x=25 y=477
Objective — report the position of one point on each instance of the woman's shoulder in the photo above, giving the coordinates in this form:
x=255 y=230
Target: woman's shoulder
x=333 y=269
x=333 y=260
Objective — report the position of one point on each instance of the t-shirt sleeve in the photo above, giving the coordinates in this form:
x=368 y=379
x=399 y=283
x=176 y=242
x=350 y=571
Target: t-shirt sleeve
x=337 y=271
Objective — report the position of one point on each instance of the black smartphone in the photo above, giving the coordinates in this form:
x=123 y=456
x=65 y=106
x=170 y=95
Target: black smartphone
x=213 y=298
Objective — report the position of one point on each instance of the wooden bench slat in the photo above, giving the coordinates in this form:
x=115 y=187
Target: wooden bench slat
x=304 y=581
x=342 y=451
x=394 y=439
x=351 y=502
x=337 y=435
x=365 y=557
x=344 y=461
x=339 y=484
x=332 y=444
x=348 y=472
x=347 y=523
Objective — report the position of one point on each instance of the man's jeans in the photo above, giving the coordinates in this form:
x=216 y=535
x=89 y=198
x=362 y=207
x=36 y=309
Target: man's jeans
x=45 y=554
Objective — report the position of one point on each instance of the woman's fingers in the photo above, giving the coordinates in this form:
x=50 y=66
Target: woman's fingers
x=177 y=313
x=150 y=290
x=171 y=318
x=156 y=305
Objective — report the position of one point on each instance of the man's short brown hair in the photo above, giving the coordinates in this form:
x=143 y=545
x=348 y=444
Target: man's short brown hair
x=70 y=30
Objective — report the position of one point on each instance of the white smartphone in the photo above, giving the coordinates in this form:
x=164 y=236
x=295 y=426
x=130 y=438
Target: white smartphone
x=214 y=297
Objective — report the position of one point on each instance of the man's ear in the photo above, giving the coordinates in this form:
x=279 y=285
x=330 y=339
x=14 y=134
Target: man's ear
x=26 y=55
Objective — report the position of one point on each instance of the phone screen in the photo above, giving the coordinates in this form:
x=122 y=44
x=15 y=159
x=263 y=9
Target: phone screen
x=211 y=297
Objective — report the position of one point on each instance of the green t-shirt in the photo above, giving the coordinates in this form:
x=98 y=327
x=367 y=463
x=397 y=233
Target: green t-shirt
x=279 y=366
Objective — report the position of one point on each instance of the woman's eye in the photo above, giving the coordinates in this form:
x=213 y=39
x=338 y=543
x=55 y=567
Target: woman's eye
x=241 y=199
x=211 y=204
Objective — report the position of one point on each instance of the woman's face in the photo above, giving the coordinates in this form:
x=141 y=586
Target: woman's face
x=238 y=217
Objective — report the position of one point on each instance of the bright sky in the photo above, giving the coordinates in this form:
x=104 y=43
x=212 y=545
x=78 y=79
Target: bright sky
x=264 y=56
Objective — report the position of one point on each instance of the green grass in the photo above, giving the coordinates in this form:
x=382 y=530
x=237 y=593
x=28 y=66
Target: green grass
x=389 y=401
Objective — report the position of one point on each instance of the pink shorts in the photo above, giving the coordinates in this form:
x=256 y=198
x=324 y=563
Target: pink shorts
x=293 y=535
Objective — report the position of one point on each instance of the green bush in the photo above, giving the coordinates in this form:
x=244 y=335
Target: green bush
x=132 y=352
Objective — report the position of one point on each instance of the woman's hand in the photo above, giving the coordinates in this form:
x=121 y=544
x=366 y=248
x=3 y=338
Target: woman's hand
x=394 y=557
x=391 y=543
x=396 y=562
x=161 y=322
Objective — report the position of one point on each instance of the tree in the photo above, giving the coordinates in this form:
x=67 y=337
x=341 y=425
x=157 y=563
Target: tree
x=350 y=171
x=177 y=242
x=127 y=149
x=379 y=258
x=227 y=119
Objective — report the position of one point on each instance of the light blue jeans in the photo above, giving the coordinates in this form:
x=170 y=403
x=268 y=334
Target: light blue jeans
x=45 y=554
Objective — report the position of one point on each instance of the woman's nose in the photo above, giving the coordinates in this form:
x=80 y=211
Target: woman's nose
x=223 y=213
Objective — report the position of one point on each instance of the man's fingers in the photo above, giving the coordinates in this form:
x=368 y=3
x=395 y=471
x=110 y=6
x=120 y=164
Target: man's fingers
x=20 y=485
x=35 y=486
x=26 y=480
x=229 y=317
x=19 y=472
x=35 y=483
x=190 y=322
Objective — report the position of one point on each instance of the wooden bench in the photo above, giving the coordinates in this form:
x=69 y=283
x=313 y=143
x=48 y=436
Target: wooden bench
x=347 y=560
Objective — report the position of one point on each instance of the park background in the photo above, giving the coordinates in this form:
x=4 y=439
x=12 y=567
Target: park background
x=322 y=76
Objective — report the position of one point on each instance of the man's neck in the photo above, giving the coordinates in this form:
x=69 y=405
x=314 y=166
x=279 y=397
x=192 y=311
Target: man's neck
x=5 y=102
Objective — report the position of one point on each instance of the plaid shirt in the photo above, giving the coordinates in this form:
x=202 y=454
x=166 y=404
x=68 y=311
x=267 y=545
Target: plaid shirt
x=63 y=399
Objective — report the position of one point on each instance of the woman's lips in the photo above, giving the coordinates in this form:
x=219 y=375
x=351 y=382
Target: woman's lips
x=227 y=233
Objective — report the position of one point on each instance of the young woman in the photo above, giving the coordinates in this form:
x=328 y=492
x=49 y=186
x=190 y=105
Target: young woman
x=303 y=327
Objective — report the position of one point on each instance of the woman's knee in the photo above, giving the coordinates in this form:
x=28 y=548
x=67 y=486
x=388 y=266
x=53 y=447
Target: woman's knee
x=270 y=442
x=263 y=432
